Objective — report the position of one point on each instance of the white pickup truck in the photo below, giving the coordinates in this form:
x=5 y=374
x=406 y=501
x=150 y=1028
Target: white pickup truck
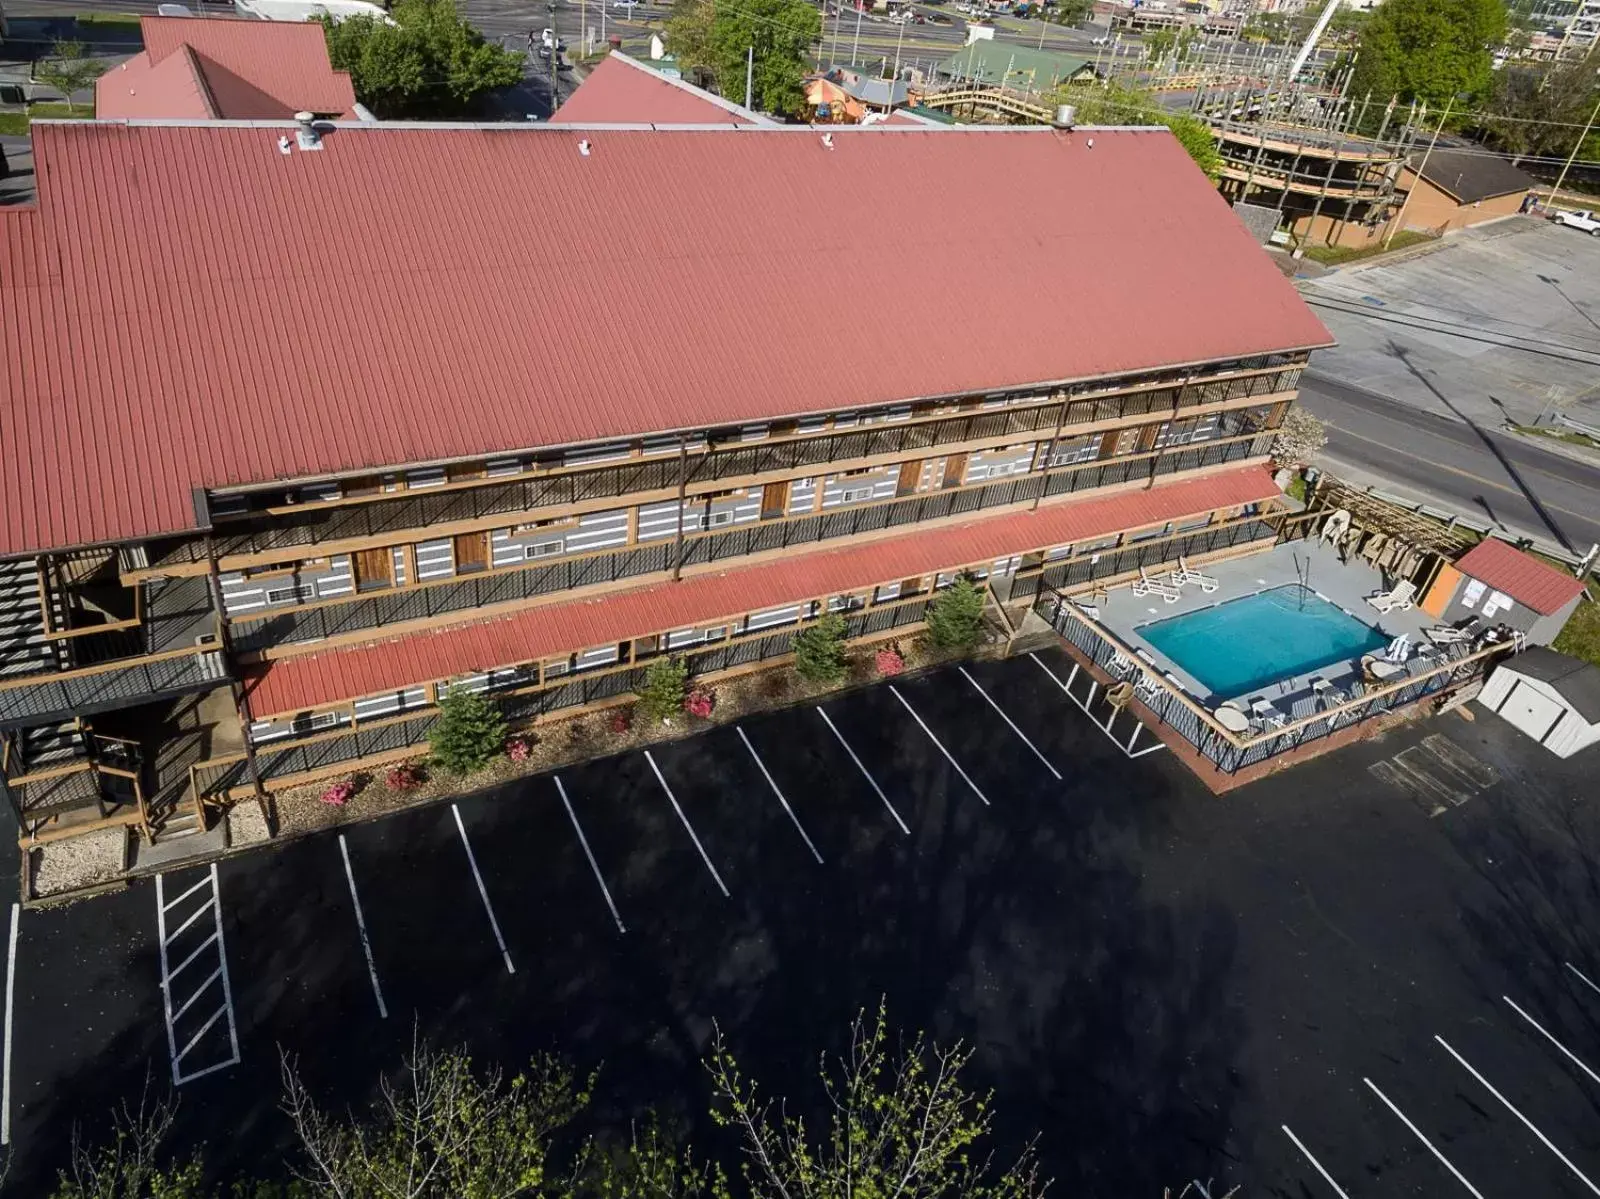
x=1584 y=219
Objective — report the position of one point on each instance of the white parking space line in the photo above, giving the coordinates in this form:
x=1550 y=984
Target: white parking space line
x=865 y=773
x=1506 y=1103
x=693 y=836
x=483 y=892
x=1316 y=1165
x=767 y=774
x=588 y=853
x=1105 y=728
x=1571 y=1057
x=988 y=699
x=1417 y=1132
x=1584 y=977
x=11 y=991
x=895 y=691
x=361 y=927
x=214 y=943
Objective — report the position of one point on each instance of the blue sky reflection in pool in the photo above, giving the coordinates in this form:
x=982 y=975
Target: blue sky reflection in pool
x=1245 y=644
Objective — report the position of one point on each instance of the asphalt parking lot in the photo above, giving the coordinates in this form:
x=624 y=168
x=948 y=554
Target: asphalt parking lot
x=1305 y=988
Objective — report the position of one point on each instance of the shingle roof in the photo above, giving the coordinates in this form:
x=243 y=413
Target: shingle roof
x=1470 y=176
x=230 y=69
x=1521 y=576
x=294 y=684
x=188 y=307
x=988 y=61
x=623 y=90
x=1578 y=682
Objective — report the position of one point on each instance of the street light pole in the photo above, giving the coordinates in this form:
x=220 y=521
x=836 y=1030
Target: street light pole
x=1400 y=217
x=857 y=44
x=1576 y=146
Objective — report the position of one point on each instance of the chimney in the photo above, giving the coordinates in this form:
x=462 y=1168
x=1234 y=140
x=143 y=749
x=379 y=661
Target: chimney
x=1066 y=116
x=306 y=134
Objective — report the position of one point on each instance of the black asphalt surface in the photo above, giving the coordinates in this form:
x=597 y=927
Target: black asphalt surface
x=1156 y=980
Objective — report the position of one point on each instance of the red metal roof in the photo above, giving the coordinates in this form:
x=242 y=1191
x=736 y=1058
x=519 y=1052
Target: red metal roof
x=230 y=69
x=294 y=684
x=623 y=90
x=188 y=307
x=1526 y=579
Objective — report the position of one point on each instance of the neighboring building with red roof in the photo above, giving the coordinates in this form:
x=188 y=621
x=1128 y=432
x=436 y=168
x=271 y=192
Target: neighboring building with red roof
x=217 y=68
x=624 y=91
x=1504 y=585
x=571 y=406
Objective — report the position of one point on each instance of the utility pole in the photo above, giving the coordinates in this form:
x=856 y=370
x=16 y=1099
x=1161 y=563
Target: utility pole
x=898 y=42
x=555 y=50
x=1576 y=146
x=1400 y=217
x=749 y=74
x=857 y=45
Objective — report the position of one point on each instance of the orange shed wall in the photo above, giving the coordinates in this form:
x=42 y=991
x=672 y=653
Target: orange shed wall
x=1439 y=595
x=1435 y=211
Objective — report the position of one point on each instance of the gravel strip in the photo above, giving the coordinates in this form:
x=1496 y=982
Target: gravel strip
x=93 y=858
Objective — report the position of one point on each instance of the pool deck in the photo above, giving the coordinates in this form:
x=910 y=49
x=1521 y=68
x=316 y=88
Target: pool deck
x=1346 y=585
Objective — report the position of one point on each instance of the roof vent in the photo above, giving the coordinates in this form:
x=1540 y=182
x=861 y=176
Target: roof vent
x=306 y=131
x=283 y=145
x=1090 y=143
x=583 y=147
x=827 y=141
x=1066 y=116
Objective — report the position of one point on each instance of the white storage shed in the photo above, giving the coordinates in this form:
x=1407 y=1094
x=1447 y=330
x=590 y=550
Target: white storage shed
x=1549 y=696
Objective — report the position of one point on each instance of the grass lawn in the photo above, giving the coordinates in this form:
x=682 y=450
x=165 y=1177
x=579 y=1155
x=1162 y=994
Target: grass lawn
x=1566 y=435
x=107 y=18
x=1581 y=637
x=16 y=123
x=1335 y=255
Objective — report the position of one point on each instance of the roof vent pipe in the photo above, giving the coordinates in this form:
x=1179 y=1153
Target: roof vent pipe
x=306 y=131
x=583 y=147
x=1066 y=116
x=283 y=145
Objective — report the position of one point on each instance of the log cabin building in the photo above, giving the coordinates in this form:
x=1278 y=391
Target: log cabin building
x=304 y=425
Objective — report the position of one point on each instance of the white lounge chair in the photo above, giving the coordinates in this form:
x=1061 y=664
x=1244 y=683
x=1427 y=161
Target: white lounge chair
x=1184 y=575
x=1399 y=597
x=1148 y=586
x=1380 y=671
x=1445 y=634
x=1326 y=693
x=1120 y=666
x=1398 y=650
x=1264 y=710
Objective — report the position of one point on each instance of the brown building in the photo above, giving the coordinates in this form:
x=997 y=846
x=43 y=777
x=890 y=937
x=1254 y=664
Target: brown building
x=1460 y=187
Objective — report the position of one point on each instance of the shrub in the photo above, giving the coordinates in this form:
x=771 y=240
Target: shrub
x=519 y=747
x=405 y=777
x=666 y=685
x=889 y=662
x=700 y=703
x=621 y=720
x=339 y=794
x=819 y=649
x=469 y=733
x=955 y=615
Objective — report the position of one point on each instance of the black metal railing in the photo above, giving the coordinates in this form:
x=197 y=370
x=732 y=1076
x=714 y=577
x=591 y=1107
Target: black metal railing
x=1162 y=552
x=254 y=632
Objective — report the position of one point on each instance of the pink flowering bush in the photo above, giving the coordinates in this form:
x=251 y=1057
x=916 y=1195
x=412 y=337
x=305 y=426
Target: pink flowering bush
x=518 y=749
x=621 y=720
x=405 y=777
x=889 y=662
x=339 y=794
x=700 y=703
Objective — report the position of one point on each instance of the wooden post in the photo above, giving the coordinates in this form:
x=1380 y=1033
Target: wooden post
x=683 y=487
x=241 y=701
x=1050 y=448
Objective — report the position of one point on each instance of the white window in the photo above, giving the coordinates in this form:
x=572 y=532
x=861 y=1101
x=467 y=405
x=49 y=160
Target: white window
x=559 y=666
x=543 y=549
x=854 y=495
x=316 y=720
x=775 y=616
x=844 y=603
x=291 y=595
x=846 y=420
x=724 y=517
x=811 y=424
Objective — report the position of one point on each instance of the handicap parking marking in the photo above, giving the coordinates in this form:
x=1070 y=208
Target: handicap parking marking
x=767 y=774
x=1315 y=1164
x=939 y=745
x=589 y=853
x=1011 y=724
x=1529 y=1124
x=689 y=828
x=199 y=983
x=1429 y=1145
x=483 y=892
x=1571 y=1057
x=865 y=773
x=1474 y=773
x=361 y=927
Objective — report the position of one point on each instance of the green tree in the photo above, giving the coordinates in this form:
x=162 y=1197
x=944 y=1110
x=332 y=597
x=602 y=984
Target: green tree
x=1126 y=106
x=1540 y=110
x=955 y=615
x=426 y=61
x=444 y=1131
x=469 y=733
x=68 y=69
x=1429 y=51
x=897 y=1124
x=715 y=38
x=129 y=1165
x=1071 y=12
x=666 y=683
x=819 y=649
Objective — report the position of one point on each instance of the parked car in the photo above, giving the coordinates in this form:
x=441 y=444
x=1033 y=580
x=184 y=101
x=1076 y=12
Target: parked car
x=1582 y=219
x=626 y=5
x=1099 y=41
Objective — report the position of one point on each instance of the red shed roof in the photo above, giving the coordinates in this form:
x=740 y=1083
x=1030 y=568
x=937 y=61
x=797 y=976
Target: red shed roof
x=189 y=307
x=1526 y=579
x=623 y=90
x=295 y=684
x=215 y=67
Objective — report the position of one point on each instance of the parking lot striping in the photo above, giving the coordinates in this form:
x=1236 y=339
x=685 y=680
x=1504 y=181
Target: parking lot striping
x=483 y=892
x=1316 y=1165
x=766 y=774
x=693 y=836
x=865 y=773
x=1009 y=722
x=1582 y=976
x=361 y=927
x=1571 y=1057
x=169 y=976
x=588 y=853
x=939 y=745
x=1506 y=1103
x=1417 y=1132
x=11 y=991
x=1066 y=688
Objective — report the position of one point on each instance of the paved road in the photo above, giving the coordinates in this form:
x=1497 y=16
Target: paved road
x=1463 y=467
x=1156 y=981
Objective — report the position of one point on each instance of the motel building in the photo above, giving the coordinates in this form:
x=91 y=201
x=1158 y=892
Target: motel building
x=306 y=425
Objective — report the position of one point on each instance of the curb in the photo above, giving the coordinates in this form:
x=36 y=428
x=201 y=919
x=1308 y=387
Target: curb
x=1555 y=445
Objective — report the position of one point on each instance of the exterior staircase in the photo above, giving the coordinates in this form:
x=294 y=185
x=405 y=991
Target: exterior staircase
x=24 y=649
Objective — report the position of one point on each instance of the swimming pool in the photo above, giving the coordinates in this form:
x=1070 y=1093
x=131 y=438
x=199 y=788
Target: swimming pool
x=1244 y=644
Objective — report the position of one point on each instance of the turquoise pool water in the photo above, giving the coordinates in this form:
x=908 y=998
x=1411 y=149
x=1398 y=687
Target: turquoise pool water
x=1244 y=644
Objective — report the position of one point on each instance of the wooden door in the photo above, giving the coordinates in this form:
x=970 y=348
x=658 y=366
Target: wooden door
x=955 y=469
x=373 y=568
x=910 y=477
x=774 y=499
x=472 y=552
x=1147 y=437
x=464 y=470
